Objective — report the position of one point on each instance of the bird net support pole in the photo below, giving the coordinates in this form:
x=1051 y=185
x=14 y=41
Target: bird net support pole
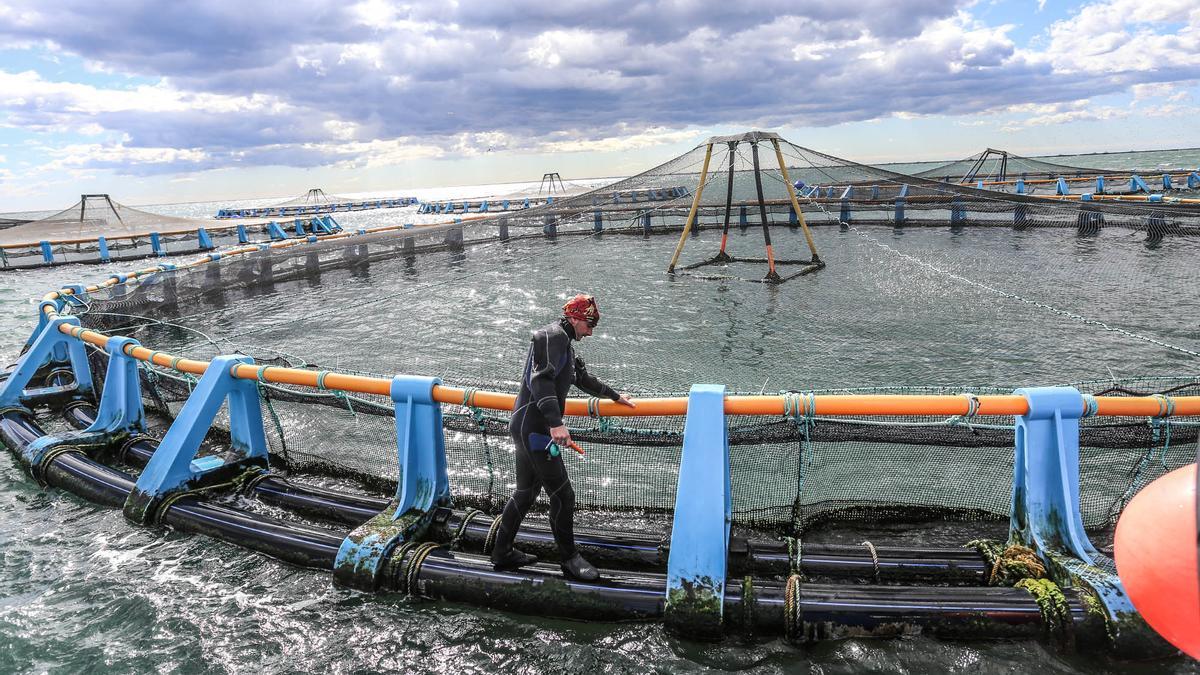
x=795 y=204
x=691 y=219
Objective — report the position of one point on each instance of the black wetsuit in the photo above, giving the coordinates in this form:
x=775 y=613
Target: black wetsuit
x=550 y=369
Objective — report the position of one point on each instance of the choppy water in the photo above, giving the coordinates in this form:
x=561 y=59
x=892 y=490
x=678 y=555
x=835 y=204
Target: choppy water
x=81 y=590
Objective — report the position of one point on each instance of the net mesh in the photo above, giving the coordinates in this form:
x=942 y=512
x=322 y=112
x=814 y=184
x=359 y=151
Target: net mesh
x=1044 y=303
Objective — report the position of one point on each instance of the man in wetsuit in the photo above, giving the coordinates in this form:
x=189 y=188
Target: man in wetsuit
x=550 y=369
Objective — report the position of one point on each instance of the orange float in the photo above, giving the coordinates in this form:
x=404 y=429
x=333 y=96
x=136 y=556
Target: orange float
x=1156 y=557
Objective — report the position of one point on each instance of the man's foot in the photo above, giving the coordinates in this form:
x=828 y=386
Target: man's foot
x=578 y=568
x=512 y=560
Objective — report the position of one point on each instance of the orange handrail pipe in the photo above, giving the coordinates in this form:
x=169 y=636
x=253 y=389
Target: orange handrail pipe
x=834 y=405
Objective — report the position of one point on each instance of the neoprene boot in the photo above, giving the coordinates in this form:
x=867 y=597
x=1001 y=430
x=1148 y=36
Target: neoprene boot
x=578 y=568
x=512 y=560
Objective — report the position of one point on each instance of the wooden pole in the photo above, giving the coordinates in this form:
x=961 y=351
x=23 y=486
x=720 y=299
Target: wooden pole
x=687 y=227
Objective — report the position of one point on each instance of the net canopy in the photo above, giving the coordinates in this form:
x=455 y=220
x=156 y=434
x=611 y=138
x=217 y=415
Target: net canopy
x=967 y=291
x=1000 y=168
x=317 y=197
x=94 y=216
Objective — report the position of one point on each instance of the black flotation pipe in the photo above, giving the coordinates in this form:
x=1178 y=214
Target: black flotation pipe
x=427 y=569
x=628 y=550
x=76 y=473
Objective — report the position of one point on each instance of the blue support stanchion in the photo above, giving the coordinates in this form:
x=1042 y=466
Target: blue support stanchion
x=331 y=224
x=299 y=225
x=174 y=467
x=47 y=253
x=241 y=234
x=703 y=511
x=156 y=244
x=1046 y=515
x=1193 y=180
x=422 y=485
x=48 y=344
x=646 y=225
x=1166 y=182
x=119 y=416
x=103 y=244
x=899 y=220
x=1099 y=185
x=1061 y=186
x=276 y=231
x=504 y=205
x=1020 y=186
x=526 y=204
x=743 y=218
x=203 y=241
x=1136 y=184
x=483 y=206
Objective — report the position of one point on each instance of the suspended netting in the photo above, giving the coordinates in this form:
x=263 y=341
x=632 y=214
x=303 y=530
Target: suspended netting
x=980 y=304
x=317 y=197
x=97 y=215
x=1004 y=171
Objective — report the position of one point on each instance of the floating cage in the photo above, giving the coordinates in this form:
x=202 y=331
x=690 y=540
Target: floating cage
x=813 y=513
x=1006 y=172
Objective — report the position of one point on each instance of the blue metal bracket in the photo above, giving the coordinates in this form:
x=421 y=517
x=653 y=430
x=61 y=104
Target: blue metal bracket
x=203 y=241
x=703 y=510
x=119 y=416
x=156 y=243
x=276 y=231
x=104 y=254
x=421 y=487
x=1166 y=182
x=47 y=253
x=299 y=225
x=174 y=466
x=1020 y=186
x=1099 y=185
x=1136 y=184
x=1046 y=515
x=48 y=343
x=1061 y=186
x=1193 y=180
x=243 y=238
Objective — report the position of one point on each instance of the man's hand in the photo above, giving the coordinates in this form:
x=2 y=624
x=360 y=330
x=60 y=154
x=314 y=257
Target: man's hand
x=625 y=400
x=560 y=436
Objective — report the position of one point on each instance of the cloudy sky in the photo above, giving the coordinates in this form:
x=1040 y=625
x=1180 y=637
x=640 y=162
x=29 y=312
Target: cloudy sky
x=157 y=101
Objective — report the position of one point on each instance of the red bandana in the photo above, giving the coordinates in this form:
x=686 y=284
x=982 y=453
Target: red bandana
x=583 y=307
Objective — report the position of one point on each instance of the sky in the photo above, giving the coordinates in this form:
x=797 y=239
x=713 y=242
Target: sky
x=159 y=102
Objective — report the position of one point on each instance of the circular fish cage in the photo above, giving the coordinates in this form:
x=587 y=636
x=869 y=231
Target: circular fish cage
x=933 y=428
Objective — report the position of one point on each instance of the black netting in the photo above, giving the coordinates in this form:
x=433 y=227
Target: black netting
x=997 y=288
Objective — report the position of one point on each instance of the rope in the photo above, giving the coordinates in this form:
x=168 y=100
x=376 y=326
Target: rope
x=793 y=615
x=1090 y=406
x=414 y=566
x=337 y=393
x=795 y=554
x=748 y=606
x=234 y=484
x=490 y=541
x=266 y=398
x=480 y=417
x=874 y=558
x=462 y=526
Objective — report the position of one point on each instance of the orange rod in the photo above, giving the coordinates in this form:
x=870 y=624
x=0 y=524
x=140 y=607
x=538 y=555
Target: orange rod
x=829 y=405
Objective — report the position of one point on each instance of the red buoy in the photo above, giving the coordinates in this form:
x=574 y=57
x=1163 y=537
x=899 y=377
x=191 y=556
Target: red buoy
x=1157 y=561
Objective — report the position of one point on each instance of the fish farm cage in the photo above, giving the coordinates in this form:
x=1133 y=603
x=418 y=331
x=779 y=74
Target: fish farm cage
x=715 y=511
x=1006 y=172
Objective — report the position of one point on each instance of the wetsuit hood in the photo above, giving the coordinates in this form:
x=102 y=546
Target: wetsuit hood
x=568 y=328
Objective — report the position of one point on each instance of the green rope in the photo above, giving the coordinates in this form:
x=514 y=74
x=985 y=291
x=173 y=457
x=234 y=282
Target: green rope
x=480 y=418
x=262 y=394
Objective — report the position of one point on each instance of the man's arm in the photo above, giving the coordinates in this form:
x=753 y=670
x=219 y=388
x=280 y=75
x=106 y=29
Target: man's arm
x=590 y=384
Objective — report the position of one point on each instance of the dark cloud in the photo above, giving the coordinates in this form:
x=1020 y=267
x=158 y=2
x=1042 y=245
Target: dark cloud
x=528 y=69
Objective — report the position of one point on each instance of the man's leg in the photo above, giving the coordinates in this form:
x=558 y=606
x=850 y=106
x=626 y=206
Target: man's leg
x=529 y=483
x=553 y=472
